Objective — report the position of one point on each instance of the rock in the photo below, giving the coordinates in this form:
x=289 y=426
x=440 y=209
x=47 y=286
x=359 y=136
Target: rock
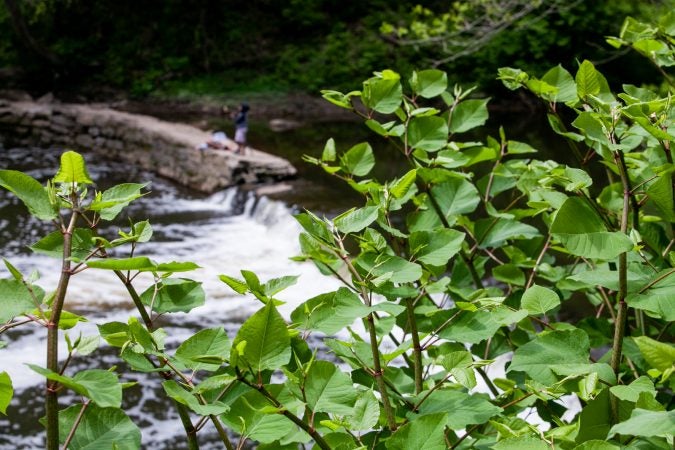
x=169 y=149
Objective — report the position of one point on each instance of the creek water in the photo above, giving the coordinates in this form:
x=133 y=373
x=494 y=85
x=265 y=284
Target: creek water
x=223 y=233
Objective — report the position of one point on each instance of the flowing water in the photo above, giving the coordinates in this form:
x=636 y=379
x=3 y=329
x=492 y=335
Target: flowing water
x=223 y=233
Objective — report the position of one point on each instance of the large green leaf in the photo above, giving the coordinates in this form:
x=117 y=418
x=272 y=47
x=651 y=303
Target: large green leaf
x=328 y=389
x=358 y=160
x=15 y=299
x=587 y=80
x=176 y=392
x=476 y=326
x=454 y=197
x=72 y=169
x=561 y=79
x=660 y=195
x=658 y=355
x=174 y=295
x=210 y=342
x=383 y=94
x=539 y=300
x=389 y=268
x=525 y=442
x=251 y=415
x=100 y=428
x=52 y=244
x=101 y=386
x=469 y=114
x=435 y=248
x=115 y=199
x=581 y=230
x=365 y=413
x=356 y=219
x=495 y=232
x=30 y=192
x=632 y=391
x=330 y=312
x=428 y=133
x=142 y=264
x=429 y=83
x=424 y=432
x=268 y=344
x=461 y=408
x=551 y=350
x=646 y=423
x=6 y=391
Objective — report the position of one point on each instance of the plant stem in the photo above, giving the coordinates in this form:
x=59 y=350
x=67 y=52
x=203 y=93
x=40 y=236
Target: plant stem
x=621 y=317
x=52 y=396
x=78 y=419
x=417 y=349
x=320 y=441
x=370 y=324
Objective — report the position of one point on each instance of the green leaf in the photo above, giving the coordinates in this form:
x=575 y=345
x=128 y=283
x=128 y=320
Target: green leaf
x=539 y=300
x=400 y=187
x=268 y=344
x=329 y=154
x=30 y=192
x=561 y=79
x=331 y=312
x=591 y=127
x=276 y=285
x=424 y=432
x=135 y=263
x=646 y=423
x=100 y=428
x=174 y=295
x=524 y=442
x=365 y=413
x=52 y=244
x=328 y=389
x=461 y=408
x=394 y=268
x=476 y=326
x=495 y=232
x=632 y=392
x=454 y=197
x=15 y=300
x=658 y=355
x=114 y=333
x=358 y=160
x=101 y=386
x=237 y=286
x=205 y=343
x=383 y=94
x=176 y=392
x=660 y=195
x=581 y=230
x=549 y=351
x=115 y=199
x=596 y=444
x=469 y=114
x=588 y=82
x=72 y=169
x=356 y=219
x=6 y=392
x=429 y=83
x=428 y=133
x=435 y=248
x=250 y=415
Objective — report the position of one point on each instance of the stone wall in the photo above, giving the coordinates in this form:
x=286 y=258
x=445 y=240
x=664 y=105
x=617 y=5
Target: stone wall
x=169 y=149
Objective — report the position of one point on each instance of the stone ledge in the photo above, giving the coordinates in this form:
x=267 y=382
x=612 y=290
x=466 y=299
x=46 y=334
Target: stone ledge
x=169 y=149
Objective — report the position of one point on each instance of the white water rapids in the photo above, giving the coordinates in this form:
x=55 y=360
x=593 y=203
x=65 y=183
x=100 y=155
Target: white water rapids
x=223 y=233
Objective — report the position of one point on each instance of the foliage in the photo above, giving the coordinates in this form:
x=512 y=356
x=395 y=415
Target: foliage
x=466 y=259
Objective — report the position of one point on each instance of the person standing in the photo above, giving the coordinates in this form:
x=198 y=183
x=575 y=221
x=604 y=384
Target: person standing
x=241 y=127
